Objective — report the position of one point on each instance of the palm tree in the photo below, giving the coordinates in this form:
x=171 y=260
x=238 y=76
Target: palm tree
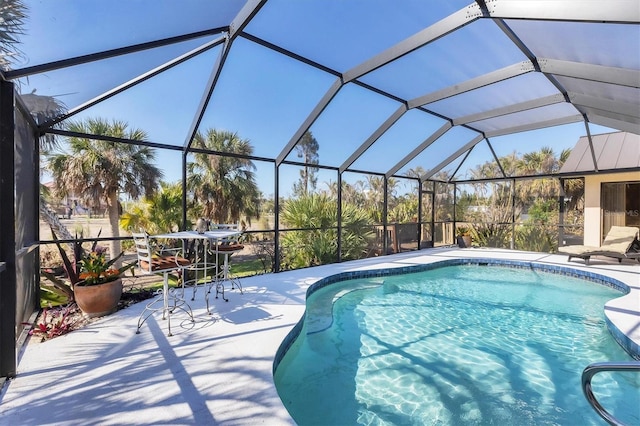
x=543 y=161
x=375 y=196
x=574 y=188
x=539 y=162
x=157 y=213
x=42 y=109
x=224 y=186
x=98 y=171
x=307 y=149
x=12 y=16
x=352 y=193
x=416 y=172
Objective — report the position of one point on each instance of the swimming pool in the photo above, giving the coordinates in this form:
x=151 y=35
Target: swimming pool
x=463 y=344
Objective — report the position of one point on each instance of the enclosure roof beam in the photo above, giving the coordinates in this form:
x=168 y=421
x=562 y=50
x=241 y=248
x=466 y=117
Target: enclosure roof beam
x=290 y=54
x=135 y=81
x=602 y=74
x=613 y=11
x=81 y=135
x=426 y=143
x=242 y=19
x=606 y=107
x=568 y=175
x=439 y=29
x=590 y=139
x=374 y=136
x=505 y=73
x=473 y=142
x=495 y=157
x=614 y=123
x=506 y=29
x=79 y=60
x=206 y=94
x=534 y=126
x=455 y=172
x=308 y=122
x=510 y=109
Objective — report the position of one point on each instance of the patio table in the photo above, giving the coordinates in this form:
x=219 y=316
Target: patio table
x=214 y=236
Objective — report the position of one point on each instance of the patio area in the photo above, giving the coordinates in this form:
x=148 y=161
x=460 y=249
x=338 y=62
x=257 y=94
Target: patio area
x=217 y=370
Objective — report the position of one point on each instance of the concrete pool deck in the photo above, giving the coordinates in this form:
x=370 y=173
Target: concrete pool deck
x=217 y=370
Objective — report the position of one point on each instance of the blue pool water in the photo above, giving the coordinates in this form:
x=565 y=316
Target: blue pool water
x=457 y=345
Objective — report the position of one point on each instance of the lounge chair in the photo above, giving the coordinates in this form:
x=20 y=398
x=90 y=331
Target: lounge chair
x=621 y=243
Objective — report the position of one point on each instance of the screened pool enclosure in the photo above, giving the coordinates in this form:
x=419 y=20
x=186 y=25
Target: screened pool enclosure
x=331 y=130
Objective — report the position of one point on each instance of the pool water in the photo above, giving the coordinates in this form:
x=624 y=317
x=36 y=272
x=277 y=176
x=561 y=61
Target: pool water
x=455 y=345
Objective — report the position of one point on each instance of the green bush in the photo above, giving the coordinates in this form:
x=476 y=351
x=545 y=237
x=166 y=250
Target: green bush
x=319 y=245
x=542 y=239
x=491 y=235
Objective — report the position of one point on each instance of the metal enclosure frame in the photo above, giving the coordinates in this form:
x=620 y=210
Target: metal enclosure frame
x=19 y=155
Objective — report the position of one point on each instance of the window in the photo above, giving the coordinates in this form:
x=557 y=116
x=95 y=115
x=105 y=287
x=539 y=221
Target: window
x=620 y=205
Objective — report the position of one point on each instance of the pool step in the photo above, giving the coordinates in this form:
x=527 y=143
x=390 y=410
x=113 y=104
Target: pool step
x=319 y=311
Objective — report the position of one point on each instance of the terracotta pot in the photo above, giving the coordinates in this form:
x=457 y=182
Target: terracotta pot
x=464 y=241
x=98 y=300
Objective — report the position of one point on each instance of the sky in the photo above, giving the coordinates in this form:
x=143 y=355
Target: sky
x=265 y=96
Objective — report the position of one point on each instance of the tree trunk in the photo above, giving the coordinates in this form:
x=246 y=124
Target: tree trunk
x=114 y=216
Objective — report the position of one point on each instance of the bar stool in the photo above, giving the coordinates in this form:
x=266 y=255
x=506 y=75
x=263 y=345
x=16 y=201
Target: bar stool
x=168 y=300
x=201 y=270
x=227 y=247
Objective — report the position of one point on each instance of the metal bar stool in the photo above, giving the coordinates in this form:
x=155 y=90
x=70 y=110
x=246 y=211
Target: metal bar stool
x=226 y=247
x=201 y=270
x=168 y=300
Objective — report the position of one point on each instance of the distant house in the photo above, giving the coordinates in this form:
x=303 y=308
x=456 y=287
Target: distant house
x=612 y=194
x=61 y=206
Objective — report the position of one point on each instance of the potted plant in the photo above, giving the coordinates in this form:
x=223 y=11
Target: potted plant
x=91 y=281
x=464 y=236
x=99 y=288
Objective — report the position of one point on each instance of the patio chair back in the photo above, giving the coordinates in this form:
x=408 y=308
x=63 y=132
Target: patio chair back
x=620 y=238
x=149 y=261
x=143 y=249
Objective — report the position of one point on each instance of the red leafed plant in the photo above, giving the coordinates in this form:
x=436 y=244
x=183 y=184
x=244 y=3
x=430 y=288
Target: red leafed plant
x=54 y=322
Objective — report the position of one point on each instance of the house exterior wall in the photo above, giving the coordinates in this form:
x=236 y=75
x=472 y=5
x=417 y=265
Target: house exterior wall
x=592 y=210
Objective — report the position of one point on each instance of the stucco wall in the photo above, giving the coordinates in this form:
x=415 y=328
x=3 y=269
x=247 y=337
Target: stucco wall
x=592 y=210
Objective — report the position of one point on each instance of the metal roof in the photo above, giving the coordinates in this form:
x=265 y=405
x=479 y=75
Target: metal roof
x=611 y=151
x=384 y=87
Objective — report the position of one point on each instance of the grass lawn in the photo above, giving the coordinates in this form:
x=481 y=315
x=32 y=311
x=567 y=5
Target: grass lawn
x=247 y=268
